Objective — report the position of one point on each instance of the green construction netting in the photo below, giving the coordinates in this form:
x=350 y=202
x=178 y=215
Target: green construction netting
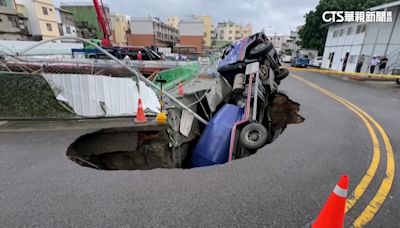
x=28 y=96
x=176 y=75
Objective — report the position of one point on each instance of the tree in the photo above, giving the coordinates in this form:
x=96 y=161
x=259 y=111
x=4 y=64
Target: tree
x=313 y=34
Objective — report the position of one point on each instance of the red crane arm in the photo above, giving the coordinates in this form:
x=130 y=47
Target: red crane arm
x=103 y=22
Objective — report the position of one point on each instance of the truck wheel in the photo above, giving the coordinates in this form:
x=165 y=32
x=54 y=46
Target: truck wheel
x=260 y=50
x=398 y=81
x=283 y=73
x=253 y=136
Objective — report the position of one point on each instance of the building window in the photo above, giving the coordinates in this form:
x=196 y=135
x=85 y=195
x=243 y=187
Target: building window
x=349 y=31
x=341 y=32
x=68 y=29
x=361 y=29
x=230 y=38
x=230 y=31
x=335 y=33
x=14 y=22
x=3 y=3
x=49 y=28
x=358 y=29
x=44 y=10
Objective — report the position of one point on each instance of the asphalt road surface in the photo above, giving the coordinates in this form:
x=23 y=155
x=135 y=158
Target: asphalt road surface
x=284 y=185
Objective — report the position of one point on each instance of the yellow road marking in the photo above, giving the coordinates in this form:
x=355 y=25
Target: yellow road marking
x=374 y=205
x=370 y=173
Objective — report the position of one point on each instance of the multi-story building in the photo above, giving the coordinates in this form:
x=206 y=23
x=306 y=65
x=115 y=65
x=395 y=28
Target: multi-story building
x=207 y=21
x=13 y=25
x=230 y=31
x=191 y=36
x=152 y=32
x=85 y=18
x=294 y=39
x=245 y=30
x=215 y=42
x=120 y=28
x=281 y=42
x=42 y=18
x=66 y=23
x=173 y=21
x=208 y=27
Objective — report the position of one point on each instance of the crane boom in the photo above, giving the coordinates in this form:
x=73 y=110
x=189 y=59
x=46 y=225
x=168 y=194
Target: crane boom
x=103 y=22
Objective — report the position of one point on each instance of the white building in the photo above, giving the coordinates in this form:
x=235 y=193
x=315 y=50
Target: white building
x=288 y=44
x=346 y=42
x=65 y=20
x=280 y=41
x=294 y=39
x=173 y=21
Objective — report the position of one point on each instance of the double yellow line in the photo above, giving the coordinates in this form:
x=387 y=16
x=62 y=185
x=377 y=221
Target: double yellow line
x=379 y=198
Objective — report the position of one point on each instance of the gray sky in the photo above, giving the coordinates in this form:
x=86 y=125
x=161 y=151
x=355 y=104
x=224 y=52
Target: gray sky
x=274 y=16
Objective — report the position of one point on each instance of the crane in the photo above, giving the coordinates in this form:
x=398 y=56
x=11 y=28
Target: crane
x=103 y=23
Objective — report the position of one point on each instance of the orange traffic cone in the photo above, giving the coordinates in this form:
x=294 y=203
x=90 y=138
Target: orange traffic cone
x=181 y=91
x=140 y=116
x=332 y=214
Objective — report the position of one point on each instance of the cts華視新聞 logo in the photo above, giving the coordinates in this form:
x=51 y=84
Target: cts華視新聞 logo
x=357 y=16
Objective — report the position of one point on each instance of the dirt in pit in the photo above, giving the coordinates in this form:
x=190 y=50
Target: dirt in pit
x=126 y=150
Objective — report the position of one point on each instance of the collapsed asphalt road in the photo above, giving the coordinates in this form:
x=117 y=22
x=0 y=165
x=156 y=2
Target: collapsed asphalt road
x=283 y=185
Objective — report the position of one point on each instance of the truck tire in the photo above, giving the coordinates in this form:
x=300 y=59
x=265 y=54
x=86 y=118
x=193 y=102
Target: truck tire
x=253 y=136
x=260 y=49
x=283 y=73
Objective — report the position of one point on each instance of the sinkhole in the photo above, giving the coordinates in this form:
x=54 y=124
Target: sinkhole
x=152 y=146
x=127 y=149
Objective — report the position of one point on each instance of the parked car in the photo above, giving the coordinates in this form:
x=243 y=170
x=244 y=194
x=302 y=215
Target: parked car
x=286 y=58
x=300 y=61
x=316 y=62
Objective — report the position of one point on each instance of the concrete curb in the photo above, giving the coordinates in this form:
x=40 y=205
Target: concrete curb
x=353 y=76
